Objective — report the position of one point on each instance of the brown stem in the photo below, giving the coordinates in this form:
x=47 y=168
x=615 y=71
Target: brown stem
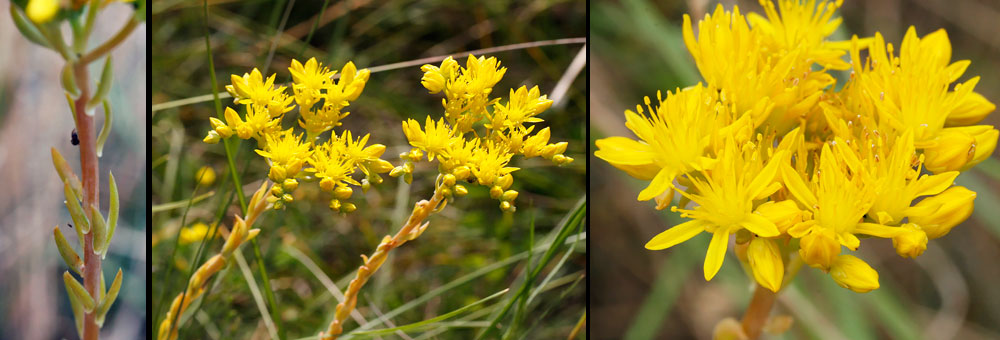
x=757 y=312
x=85 y=130
x=371 y=264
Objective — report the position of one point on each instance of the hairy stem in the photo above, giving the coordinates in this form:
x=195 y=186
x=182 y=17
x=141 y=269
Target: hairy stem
x=757 y=312
x=413 y=227
x=85 y=130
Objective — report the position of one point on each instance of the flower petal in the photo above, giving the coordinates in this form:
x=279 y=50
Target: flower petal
x=659 y=184
x=935 y=184
x=760 y=225
x=765 y=261
x=716 y=253
x=675 y=235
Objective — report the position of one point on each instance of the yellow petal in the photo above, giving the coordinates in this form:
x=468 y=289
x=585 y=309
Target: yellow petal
x=972 y=109
x=935 y=184
x=765 y=261
x=761 y=226
x=955 y=206
x=766 y=175
x=624 y=151
x=675 y=235
x=794 y=183
x=783 y=214
x=659 y=184
x=852 y=273
x=819 y=248
x=716 y=253
x=951 y=151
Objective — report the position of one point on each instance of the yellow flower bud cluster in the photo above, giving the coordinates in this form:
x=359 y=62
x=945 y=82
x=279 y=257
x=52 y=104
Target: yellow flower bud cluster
x=295 y=157
x=771 y=151
x=482 y=157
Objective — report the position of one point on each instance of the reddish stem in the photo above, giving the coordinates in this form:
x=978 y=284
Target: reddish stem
x=88 y=166
x=758 y=311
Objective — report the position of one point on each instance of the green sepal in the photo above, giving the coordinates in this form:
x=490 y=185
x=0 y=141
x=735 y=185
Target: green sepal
x=67 y=252
x=27 y=29
x=76 y=291
x=100 y=230
x=80 y=220
x=105 y=130
x=102 y=87
x=109 y=299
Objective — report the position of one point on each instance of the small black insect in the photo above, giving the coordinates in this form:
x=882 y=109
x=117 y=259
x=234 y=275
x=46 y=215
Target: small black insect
x=73 y=138
x=70 y=225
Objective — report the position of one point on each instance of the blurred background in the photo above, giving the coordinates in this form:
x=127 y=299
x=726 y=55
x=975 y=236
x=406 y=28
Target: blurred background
x=947 y=293
x=471 y=249
x=35 y=117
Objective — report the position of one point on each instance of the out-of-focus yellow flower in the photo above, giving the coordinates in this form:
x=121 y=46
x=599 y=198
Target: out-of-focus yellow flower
x=205 y=176
x=952 y=207
x=194 y=233
x=852 y=273
x=41 y=11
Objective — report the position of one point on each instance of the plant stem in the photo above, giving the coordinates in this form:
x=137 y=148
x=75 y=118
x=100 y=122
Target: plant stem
x=412 y=229
x=88 y=166
x=109 y=45
x=757 y=312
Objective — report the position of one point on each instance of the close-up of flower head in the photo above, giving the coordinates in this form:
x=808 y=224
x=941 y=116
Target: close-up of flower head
x=800 y=147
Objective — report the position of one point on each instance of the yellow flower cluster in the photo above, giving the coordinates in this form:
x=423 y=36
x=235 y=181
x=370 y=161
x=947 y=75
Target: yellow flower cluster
x=768 y=151
x=472 y=142
x=301 y=156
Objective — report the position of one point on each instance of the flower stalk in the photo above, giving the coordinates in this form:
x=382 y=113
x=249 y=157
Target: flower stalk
x=413 y=228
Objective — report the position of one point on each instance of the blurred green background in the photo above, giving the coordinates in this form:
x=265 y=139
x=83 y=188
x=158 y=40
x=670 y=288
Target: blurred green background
x=35 y=117
x=471 y=249
x=947 y=293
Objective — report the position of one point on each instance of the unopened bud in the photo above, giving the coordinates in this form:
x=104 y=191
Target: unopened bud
x=495 y=192
x=343 y=192
x=509 y=195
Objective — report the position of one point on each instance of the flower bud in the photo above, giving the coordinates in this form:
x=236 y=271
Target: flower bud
x=348 y=207
x=397 y=171
x=509 y=195
x=448 y=180
x=335 y=205
x=290 y=184
x=211 y=138
x=506 y=206
x=461 y=173
x=495 y=192
x=277 y=174
x=560 y=159
x=460 y=190
x=766 y=264
x=433 y=80
x=956 y=205
x=505 y=181
x=911 y=242
x=852 y=273
x=277 y=191
x=287 y=198
x=327 y=184
x=953 y=149
x=205 y=176
x=819 y=248
x=343 y=192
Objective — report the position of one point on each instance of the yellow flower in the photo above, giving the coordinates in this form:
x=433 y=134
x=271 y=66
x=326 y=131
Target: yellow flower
x=913 y=91
x=852 y=273
x=205 y=176
x=951 y=207
x=802 y=25
x=258 y=123
x=725 y=196
x=491 y=164
x=195 y=233
x=331 y=165
x=466 y=89
x=252 y=89
x=312 y=76
x=674 y=139
x=911 y=241
x=287 y=152
x=434 y=139
x=364 y=157
x=522 y=108
x=838 y=200
x=41 y=11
